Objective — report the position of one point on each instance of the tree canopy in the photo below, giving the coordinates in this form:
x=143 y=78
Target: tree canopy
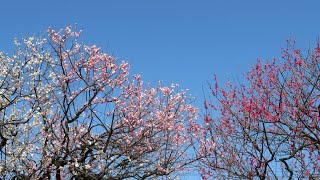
x=71 y=111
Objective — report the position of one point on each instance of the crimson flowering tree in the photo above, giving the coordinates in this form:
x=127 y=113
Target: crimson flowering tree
x=268 y=127
x=69 y=111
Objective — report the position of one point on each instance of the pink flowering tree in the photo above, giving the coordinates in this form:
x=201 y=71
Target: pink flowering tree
x=268 y=127
x=70 y=111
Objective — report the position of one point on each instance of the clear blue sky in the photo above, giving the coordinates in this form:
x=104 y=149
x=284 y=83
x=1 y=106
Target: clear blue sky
x=175 y=41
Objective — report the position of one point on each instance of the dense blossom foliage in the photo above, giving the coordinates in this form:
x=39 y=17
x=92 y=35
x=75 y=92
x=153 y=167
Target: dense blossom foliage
x=268 y=127
x=70 y=111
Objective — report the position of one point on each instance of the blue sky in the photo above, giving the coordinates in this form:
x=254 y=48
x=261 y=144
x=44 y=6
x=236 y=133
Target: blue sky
x=175 y=41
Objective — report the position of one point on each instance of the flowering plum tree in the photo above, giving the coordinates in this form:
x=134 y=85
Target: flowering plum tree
x=69 y=111
x=268 y=127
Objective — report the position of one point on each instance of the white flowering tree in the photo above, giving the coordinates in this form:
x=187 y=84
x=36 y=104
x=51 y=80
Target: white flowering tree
x=69 y=111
